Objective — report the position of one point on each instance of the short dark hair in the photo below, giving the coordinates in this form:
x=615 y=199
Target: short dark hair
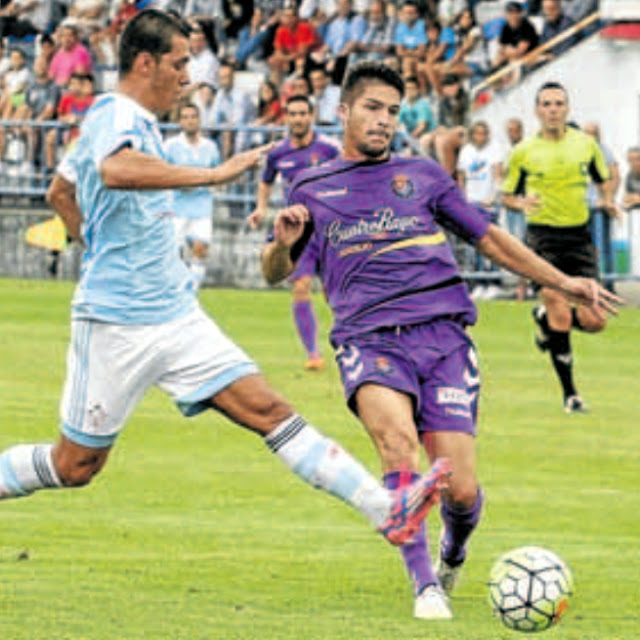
x=299 y=98
x=188 y=105
x=365 y=72
x=552 y=84
x=514 y=6
x=150 y=31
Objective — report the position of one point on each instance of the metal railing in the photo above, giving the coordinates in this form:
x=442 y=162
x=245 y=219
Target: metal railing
x=234 y=254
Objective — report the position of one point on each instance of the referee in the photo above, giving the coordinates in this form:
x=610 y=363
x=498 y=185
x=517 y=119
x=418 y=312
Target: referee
x=547 y=179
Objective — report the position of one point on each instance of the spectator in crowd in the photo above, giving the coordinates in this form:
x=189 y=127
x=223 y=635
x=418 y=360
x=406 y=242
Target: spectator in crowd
x=5 y=65
x=232 y=106
x=631 y=194
x=517 y=37
x=440 y=48
x=256 y=38
x=453 y=103
x=270 y=112
x=317 y=9
x=90 y=16
x=415 y=112
x=555 y=23
x=47 y=48
x=449 y=10
x=210 y=15
x=479 y=170
x=343 y=28
x=631 y=202
x=377 y=40
x=203 y=65
x=203 y=98
x=269 y=108
x=40 y=105
x=20 y=18
x=326 y=97
x=293 y=41
x=15 y=84
x=193 y=207
x=104 y=42
x=410 y=38
x=72 y=108
x=599 y=216
x=71 y=57
x=470 y=58
x=296 y=85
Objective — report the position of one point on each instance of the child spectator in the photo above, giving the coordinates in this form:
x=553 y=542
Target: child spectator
x=15 y=83
x=415 y=112
x=72 y=108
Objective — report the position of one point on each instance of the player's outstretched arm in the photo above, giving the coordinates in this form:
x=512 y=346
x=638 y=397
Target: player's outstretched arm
x=507 y=251
x=132 y=169
x=61 y=195
x=288 y=227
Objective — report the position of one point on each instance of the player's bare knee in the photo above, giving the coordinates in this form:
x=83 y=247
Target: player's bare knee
x=77 y=468
x=462 y=494
x=269 y=410
x=398 y=449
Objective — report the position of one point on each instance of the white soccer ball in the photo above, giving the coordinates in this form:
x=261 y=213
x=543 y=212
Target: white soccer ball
x=529 y=588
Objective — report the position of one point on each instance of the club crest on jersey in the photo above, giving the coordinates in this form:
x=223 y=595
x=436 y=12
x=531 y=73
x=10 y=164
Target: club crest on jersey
x=383 y=366
x=402 y=186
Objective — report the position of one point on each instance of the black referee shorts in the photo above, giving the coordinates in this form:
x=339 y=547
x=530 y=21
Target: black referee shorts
x=569 y=249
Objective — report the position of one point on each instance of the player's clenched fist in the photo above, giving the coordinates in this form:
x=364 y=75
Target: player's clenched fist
x=289 y=224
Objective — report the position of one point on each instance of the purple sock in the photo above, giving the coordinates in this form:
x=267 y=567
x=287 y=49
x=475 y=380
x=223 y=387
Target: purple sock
x=305 y=321
x=415 y=554
x=458 y=525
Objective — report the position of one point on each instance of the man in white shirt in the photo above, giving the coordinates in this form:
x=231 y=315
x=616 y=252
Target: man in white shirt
x=479 y=175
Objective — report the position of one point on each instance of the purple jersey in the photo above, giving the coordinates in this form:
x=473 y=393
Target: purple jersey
x=378 y=244
x=288 y=161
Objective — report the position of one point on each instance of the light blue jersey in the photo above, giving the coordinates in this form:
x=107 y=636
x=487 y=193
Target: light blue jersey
x=131 y=270
x=197 y=202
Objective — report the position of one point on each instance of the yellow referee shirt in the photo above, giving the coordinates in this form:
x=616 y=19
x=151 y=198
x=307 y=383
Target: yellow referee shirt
x=558 y=172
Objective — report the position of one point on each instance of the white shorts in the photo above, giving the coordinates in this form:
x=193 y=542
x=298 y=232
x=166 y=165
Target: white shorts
x=189 y=229
x=111 y=366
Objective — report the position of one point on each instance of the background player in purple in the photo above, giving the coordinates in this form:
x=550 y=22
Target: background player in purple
x=374 y=223
x=302 y=148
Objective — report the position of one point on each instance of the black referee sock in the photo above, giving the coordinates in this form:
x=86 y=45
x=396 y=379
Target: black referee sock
x=575 y=321
x=562 y=360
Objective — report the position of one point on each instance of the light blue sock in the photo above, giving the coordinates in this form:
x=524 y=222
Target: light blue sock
x=26 y=468
x=325 y=465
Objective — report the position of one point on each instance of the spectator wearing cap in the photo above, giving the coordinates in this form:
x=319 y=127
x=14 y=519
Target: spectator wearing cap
x=71 y=57
x=555 y=23
x=20 y=18
x=410 y=38
x=517 y=37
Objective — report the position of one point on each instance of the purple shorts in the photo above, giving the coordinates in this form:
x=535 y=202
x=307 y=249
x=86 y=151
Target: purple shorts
x=435 y=363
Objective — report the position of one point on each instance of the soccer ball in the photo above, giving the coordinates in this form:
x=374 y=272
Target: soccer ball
x=529 y=588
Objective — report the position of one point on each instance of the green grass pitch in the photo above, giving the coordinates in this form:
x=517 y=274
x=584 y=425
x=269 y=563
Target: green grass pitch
x=193 y=531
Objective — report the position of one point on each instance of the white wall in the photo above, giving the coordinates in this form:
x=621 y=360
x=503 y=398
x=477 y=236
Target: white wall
x=603 y=80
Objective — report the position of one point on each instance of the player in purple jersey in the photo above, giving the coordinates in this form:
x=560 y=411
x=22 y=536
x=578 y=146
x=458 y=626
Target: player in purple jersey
x=374 y=224
x=302 y=148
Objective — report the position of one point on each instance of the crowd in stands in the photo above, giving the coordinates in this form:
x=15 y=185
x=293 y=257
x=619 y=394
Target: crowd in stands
x=55 y=55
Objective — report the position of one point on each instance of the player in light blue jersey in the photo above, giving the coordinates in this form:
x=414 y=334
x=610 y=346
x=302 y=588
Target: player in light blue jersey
x=135 y=319
x=193 y=207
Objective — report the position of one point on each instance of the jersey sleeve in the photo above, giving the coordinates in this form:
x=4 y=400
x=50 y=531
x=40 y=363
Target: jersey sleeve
x=514 y=182
x=455 y=214
x=115 y=130
x=269 y=172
